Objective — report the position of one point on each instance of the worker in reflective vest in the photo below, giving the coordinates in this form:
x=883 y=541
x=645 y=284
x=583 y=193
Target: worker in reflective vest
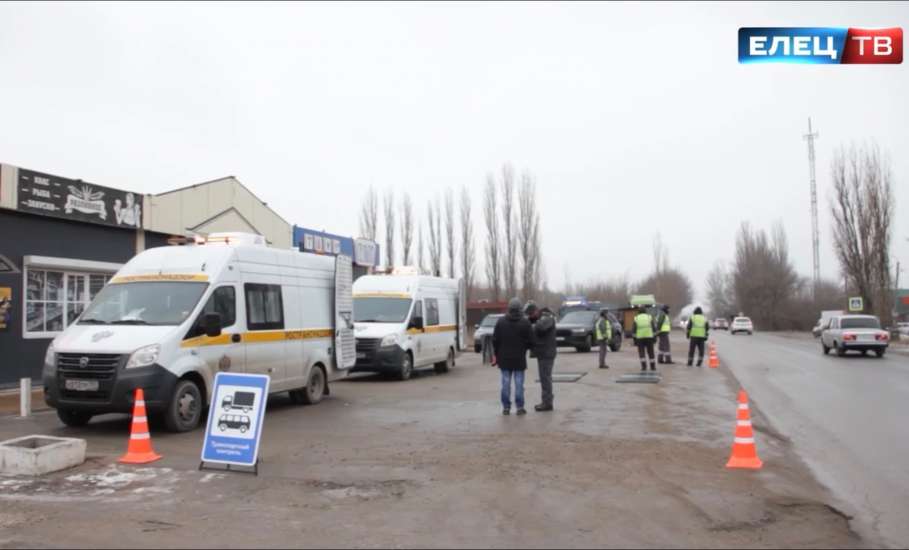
x=604 y=336
x=664 y=328
x=644 y=329
x=698 y=330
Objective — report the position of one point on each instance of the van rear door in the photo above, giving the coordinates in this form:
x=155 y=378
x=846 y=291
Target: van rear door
x=345 y=341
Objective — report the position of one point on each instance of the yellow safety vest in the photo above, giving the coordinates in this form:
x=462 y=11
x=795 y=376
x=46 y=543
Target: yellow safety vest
x=643 y=325
x=698 y=326
x=667 y=325
x=604 y=329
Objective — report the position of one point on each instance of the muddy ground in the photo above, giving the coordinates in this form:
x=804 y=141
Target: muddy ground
x=432 y=463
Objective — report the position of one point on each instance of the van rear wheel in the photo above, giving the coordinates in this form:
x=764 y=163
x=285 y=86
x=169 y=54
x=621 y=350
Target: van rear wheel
x=314 y=390
x=447 y=364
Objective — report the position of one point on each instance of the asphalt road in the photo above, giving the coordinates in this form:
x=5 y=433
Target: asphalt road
x=432 y=462
x=846 y=418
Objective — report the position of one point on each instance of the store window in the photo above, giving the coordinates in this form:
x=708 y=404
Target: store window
x=55 y=299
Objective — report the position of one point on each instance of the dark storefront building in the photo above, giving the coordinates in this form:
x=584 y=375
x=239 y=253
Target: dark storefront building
x=60 y=241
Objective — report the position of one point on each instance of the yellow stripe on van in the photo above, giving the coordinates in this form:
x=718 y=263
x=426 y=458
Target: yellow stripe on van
x=441 y=328
x=181 y=277
x=259 y=337
x=381 y=295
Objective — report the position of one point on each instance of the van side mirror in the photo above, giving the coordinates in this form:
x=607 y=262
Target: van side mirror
x=211 y=323
x=417 y=323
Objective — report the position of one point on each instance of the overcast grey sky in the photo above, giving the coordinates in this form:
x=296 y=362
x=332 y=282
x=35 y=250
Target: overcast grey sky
x=619 y=110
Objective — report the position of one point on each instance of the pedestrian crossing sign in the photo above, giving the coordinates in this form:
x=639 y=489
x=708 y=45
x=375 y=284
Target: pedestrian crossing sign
x=856 y=304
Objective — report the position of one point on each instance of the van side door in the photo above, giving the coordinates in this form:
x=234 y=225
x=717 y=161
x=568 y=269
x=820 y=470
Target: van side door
x=417 y=337
x=265 y=338
x=433 y=336
x=225 y=352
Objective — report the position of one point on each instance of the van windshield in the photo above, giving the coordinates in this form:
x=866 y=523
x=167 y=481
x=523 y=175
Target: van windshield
x=377 y=309
x=144 y=303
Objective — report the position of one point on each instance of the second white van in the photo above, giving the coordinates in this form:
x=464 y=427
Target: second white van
x=407 y=322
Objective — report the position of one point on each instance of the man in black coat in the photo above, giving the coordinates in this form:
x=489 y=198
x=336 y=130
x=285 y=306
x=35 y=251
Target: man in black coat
x=511 y=339
x=544 y=349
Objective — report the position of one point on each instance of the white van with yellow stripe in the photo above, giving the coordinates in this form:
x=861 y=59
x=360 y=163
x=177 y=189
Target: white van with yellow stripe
x=174 y=316
x=406 y=322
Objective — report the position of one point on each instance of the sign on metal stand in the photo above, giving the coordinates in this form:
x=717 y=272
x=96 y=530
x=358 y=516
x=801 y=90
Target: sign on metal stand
x=235 y=420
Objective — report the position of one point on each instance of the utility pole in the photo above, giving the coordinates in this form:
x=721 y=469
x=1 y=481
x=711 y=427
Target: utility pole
x=815 y=233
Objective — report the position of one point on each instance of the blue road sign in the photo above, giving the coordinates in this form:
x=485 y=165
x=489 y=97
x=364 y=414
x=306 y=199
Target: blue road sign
x=235 y=419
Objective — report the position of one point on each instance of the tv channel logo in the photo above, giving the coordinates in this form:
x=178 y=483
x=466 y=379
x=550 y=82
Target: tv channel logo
x=820 y=45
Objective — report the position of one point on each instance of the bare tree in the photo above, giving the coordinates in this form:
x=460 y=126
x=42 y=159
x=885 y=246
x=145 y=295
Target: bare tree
x=389 y=204
x=450 y=240
x=660 y=254
x=421 y=264
x=719 y=295
x=406 y=227
x=670 y=286
x=529 y=235
x=369 y=215
x=468 y=251
x=862 y=209
x=509 y=259
x=763 y=278
x=612 y=292
x=493 y=240
x=433 y=217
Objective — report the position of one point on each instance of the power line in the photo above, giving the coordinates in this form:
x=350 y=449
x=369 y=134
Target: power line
x=815 y=233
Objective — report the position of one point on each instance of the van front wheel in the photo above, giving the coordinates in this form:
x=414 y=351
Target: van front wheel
x=73 y=418
x=185 y=408
x=406 y=367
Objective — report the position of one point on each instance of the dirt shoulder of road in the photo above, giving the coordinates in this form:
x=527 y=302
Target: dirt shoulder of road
x=432 y=463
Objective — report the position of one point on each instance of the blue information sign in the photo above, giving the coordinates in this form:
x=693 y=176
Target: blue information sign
x=235 y=419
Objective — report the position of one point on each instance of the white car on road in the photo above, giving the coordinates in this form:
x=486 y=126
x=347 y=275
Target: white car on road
x=741 y=324
x=855 y=333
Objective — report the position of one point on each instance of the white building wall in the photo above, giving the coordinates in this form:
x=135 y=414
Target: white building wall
x=178 y=211
x=9 y=185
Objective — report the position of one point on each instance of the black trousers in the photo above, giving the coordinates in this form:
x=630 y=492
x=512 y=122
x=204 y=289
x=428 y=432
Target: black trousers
x=645 y=351
x=696 y=343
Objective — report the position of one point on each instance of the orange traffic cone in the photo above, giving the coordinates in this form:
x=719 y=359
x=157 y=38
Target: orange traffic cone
x=744 y=453
x=140 y=449
x=714 y=361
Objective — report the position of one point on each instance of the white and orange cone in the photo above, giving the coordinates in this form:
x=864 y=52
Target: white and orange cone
x=140 y=449
x=744 y=452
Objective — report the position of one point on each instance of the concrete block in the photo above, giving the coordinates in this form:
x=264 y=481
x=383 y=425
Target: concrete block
x=35 y=455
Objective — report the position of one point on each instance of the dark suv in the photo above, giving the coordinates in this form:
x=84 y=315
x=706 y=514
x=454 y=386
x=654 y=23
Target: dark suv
x=577 y=329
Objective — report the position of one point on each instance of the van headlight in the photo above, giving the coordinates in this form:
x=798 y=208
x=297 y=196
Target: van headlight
x=144 y=357
x=49 y=355
x=389 y=340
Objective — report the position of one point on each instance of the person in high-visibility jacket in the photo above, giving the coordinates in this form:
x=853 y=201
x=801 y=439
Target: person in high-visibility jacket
x=644 y=329
x=664 y=328
x=604 y=336
x=697 y=333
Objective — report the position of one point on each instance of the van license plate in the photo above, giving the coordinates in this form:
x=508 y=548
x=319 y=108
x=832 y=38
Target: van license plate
x=82 y=385
x=560 y=338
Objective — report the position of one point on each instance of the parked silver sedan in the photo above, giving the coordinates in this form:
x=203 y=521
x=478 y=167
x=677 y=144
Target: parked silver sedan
x=483 y=329
x=855 y=333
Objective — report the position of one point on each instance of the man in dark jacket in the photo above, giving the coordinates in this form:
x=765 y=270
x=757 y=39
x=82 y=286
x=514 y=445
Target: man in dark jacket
x=544 y=349
x=511 y=339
